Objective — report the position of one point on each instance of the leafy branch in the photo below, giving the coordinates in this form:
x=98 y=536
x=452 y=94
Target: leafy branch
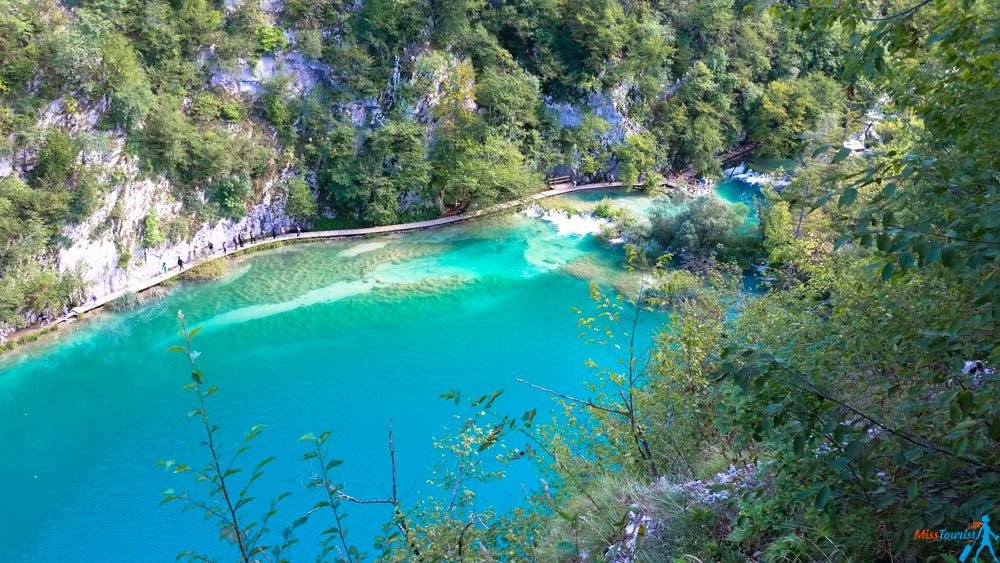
x=216 y=475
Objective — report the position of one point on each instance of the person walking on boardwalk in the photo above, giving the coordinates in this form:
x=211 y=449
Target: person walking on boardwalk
x=180 y=263
x=164 y=267
x=211 y=247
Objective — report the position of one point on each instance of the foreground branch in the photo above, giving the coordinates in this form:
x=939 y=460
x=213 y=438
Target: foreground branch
x=584 y=402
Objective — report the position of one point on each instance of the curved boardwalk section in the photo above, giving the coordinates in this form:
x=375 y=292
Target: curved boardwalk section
x=341 y=233
x=682 y=180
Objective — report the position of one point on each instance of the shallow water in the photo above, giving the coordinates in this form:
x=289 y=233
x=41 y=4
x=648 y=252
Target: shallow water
x=342 y=336
x=339 y=336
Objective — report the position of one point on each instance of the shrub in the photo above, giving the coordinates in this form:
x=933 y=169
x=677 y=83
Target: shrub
x=230 y=195
x=56 y=159
x=605 y=209
x=270 y=38
x=205 y=107
x=152 y=236
x=85 y=198
x=231 y=111
x=709 y=227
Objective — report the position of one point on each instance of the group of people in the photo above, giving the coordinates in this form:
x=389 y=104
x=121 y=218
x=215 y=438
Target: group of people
x=239 y=241
x=51 y=314
x=701 y=186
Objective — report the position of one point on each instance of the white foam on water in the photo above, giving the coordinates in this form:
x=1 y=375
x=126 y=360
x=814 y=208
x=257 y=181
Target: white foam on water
x=579 y=224
x=755 y=178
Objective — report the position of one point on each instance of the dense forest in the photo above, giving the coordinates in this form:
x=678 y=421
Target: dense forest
x=371 y=113
x=834 y=415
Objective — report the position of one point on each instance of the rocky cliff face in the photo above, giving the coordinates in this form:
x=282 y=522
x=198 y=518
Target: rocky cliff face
x=111 y=259
x=106 y=248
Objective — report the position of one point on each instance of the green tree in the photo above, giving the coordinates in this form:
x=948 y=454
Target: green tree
x=790 y=108
x=484 y=172
x=300 y=204
x=637 y=160
x=131 y=95
x=230 y=195
x=56 y=160
x=398 y=150
x=152 y=236
x=509 y=101
x=706 y=227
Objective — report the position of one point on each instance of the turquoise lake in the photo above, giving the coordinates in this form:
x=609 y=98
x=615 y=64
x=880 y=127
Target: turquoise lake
x=341 y=336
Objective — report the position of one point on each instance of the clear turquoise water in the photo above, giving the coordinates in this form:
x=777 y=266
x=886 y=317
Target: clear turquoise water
x=339 y=336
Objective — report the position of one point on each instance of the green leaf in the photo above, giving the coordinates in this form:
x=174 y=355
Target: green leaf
x=885 y=500
x=799 y=444
x=906 y=260
x=823 y=497
x=848 y=197
x=493 y=397
x=994 y=430
x=887 y=271
x=883 y=242
x=949 y=256
x=965 y=401
x=822 y=200
x=843 y=153
x=175 y=349
x=853 y=449
x=490 y=440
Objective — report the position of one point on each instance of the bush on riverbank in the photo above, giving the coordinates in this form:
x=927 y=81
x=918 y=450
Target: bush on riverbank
x=707 y=228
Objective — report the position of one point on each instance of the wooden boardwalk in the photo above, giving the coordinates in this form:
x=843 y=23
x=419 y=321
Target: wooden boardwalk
x=100 y=302
x=682 y=180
